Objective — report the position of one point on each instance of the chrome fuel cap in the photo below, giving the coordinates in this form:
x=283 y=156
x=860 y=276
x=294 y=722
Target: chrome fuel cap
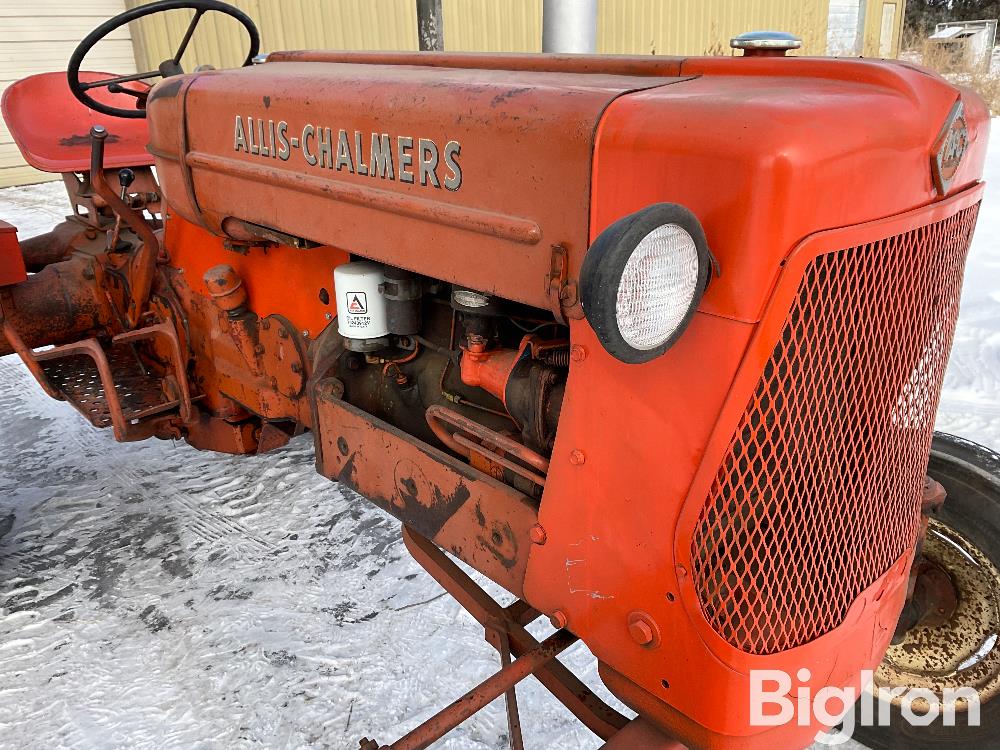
x=765 y=42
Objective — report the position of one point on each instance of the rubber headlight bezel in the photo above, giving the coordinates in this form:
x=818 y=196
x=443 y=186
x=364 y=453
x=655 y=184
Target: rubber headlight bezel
x=604 y=265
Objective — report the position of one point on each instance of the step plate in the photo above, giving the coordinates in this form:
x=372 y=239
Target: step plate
x=77 y=378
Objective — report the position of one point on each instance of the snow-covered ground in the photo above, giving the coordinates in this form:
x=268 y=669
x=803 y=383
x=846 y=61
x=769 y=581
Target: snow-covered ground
x=156 y=597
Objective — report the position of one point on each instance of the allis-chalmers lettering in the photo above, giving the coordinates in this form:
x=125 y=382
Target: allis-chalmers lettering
x=403 y=158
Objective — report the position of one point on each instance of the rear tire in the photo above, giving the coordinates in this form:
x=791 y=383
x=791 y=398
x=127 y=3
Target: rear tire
x=971 y=475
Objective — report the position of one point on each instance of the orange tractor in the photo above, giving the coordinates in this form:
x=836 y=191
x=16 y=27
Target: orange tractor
x=654 y=343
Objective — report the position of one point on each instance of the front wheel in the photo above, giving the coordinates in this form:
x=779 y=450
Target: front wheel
x=960 y=650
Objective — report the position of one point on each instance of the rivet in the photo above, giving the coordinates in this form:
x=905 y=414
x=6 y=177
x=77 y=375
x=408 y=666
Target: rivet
x=577 y=458
x=558 y=619
x=577 y=353
x=537 y=534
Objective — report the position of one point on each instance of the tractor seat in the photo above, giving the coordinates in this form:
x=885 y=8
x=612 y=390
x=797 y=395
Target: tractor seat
x=52 y=128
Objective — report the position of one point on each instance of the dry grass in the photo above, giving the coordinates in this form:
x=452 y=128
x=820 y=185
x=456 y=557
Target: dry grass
x=988 y=86
x=984 y=79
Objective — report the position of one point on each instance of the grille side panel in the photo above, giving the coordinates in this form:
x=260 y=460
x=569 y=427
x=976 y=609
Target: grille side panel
x=819 y=490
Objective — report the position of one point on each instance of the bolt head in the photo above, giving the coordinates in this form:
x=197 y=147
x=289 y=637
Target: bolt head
x=641 y=632
x=577 y=353
x=558 y=619
x=537 y=534
x=577 y=458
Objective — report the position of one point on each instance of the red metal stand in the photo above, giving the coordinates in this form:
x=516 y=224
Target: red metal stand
x=505 y=631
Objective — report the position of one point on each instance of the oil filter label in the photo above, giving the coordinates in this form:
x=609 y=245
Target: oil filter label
x=357 y=303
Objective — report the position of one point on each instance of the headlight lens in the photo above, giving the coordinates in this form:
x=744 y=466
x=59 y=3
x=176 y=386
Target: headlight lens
x=642 y=280
x=657 y=286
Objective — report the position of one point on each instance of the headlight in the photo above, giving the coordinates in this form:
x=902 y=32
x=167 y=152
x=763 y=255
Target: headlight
x=642 y=280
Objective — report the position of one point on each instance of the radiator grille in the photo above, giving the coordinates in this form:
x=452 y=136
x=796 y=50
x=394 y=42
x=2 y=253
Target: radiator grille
x=819 y=491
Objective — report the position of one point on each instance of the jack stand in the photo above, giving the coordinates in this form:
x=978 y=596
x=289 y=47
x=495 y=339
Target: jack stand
x=505 y=631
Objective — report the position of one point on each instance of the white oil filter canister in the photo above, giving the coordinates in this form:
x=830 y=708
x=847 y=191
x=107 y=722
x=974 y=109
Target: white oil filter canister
x=361 y=308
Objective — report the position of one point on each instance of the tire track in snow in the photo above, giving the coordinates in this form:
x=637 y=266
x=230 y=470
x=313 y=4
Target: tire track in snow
x=99 y=448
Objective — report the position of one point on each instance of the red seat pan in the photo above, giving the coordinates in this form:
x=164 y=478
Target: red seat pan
x=52 y=128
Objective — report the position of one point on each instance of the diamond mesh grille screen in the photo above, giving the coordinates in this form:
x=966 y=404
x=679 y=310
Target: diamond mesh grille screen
x=819 y=491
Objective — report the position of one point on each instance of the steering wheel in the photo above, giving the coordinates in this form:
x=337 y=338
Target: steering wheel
x=167 y=68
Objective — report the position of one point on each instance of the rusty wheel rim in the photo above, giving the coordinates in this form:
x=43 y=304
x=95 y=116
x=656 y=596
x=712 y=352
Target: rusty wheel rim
x=963 y=652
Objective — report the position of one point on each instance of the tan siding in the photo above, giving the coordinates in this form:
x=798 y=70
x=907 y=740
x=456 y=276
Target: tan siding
x=663 y=27
x=283 y=24
x=873 y=26
x=24 y=175
x=699 y=27
x=38 y=36
x=95 y=10
x=492 y=25
x=624 y=26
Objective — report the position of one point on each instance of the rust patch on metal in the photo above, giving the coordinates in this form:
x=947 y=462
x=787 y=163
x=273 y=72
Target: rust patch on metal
x=478 y=519
x=84 y=140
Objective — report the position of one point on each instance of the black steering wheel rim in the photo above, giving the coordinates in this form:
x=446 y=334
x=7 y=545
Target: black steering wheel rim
x=79 y=88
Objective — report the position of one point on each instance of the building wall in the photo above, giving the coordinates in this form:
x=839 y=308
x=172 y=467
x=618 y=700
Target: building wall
x=38 y=37
x=679 y=27
x=842 y=37
x=492 y=25
x=700 y=27
x=283 y=24
x=883 y=27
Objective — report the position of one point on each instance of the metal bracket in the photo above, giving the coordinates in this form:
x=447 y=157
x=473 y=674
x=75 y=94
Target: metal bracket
x=564 y=297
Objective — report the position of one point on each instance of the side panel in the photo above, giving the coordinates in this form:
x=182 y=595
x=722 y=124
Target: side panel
x=295 y=145
x=470 y=514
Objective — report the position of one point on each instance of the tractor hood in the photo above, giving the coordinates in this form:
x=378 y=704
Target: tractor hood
x=471 y=168
x=463 y=174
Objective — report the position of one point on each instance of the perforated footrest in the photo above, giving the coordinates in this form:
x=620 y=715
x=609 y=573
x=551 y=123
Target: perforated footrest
x=109 y=385
x=78 y=379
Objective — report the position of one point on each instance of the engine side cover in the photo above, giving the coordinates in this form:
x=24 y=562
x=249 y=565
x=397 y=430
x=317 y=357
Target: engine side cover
x=468 y=175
